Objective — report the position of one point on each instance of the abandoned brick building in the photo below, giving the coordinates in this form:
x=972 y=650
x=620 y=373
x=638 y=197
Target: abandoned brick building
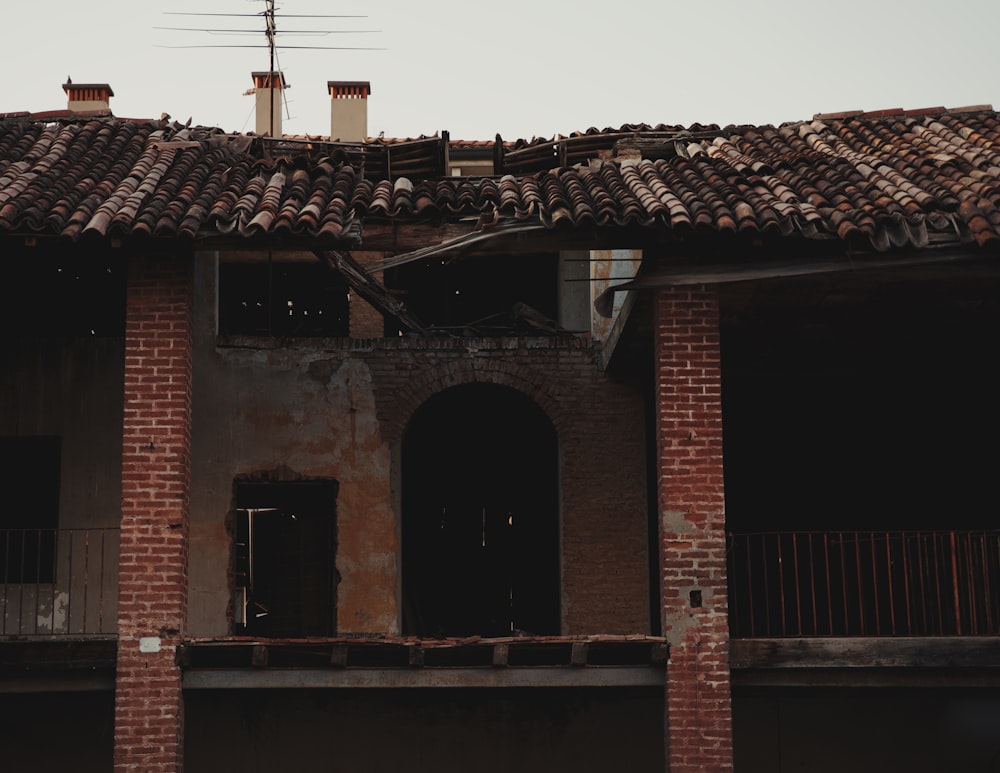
x=656 y=448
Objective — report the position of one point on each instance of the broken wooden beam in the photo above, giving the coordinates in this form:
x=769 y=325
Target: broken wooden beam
x=365 y=285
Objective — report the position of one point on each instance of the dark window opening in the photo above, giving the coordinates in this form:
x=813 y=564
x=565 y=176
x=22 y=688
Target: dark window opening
x=282 y=299
x=480 y=516
x=285 y=546
x=481 y=295
x=68 y=295
x=29 y=474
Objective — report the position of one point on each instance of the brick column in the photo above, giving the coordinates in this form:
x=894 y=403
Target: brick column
x=152 y=596
x=693 y=529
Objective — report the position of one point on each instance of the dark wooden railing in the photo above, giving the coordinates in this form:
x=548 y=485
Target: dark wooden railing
x=58 y=582
x=864 y=583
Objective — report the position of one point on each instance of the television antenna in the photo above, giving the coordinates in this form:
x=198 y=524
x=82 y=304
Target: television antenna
x=269 y=16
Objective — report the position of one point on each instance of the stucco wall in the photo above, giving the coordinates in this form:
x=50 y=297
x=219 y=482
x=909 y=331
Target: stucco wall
x=338 y=409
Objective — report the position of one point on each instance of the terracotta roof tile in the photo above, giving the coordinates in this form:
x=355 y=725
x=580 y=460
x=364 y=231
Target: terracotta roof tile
x=882 y=179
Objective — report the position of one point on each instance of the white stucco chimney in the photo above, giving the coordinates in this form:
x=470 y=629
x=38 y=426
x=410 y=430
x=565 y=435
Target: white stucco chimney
x=268 y=87
x=88 y=96
x=349 y=110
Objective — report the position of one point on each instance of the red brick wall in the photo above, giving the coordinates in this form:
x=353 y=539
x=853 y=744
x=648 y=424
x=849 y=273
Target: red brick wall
x=693 y=529
x=154 y=524
x=602 y=457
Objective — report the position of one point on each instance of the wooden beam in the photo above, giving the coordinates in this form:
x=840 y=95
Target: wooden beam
x=865 y=653
x=338 y=656
x=455 y=245
x=694 y=274
x=404 y=678
x=365 y=285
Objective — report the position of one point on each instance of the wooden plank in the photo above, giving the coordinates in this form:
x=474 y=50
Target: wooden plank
x=678 y=276
x=862 y=653
x=436 y=678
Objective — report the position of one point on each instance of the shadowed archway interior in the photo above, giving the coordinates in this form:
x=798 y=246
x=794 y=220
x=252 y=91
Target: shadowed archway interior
x=480 y=516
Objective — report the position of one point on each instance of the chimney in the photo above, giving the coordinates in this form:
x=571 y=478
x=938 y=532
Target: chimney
x=87 y=96
x=268 y=87
x=349 y=110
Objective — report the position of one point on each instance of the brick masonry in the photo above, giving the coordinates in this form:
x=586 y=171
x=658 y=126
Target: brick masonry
x=598 y=421
x=693 y=529
x=156 y=455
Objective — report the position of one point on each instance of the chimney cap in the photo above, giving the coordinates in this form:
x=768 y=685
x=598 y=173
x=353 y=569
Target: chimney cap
x=69 y=87
x=349 y=88
x=264 y=79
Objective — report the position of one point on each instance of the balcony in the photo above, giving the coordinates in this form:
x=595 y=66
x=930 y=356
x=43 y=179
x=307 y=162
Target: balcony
x=58 y=582
x=864 y=584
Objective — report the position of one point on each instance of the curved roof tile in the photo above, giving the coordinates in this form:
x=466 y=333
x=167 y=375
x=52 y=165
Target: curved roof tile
x=895 y=180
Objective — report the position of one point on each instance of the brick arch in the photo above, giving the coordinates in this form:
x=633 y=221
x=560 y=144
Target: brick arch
x=503 y=373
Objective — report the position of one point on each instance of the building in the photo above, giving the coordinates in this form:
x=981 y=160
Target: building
x=659 y=448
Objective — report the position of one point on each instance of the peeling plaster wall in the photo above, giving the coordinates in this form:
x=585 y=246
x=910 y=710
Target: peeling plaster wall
x=304 y=410
x=609 y=268
x=338 y=409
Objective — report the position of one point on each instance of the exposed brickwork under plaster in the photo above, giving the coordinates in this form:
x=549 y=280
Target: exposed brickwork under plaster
x=598 y=421
x=154 y=526
x=693 y=529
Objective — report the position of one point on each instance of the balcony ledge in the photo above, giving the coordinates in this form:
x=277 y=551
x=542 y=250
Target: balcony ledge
x=866 y=661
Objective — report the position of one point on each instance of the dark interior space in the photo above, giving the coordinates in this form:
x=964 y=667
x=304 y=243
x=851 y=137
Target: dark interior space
x=481 y=295
x=860 y=425
x=57 y=731
x=286 y=299
x=285 y=547
x=529 y=730
x=861 y=403
x=866 y=730
x=480 y=516
x=47 y=294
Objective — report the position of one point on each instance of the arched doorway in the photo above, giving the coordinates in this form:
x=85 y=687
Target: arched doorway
x=480 y=516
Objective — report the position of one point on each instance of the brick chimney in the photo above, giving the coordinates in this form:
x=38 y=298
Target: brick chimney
x=88 y=96
x=268 y=87
x=349 y=110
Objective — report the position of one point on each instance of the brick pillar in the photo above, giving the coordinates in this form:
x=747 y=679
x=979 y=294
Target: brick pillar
x=152 y=596
x=693 y=529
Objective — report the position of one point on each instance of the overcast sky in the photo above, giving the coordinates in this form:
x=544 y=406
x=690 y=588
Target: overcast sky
x=521 y=68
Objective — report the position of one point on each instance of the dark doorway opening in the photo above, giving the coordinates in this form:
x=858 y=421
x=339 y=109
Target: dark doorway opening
x=284 y=563
x=480 y=516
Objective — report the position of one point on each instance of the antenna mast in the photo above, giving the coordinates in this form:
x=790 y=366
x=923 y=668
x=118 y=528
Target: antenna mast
x=274 y=75
x=269 y=31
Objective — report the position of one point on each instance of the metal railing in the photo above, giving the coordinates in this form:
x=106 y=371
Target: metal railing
x=864 y=583
x=58 y=582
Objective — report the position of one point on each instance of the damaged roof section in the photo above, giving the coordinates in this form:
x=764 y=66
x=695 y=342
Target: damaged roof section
x=874 y=182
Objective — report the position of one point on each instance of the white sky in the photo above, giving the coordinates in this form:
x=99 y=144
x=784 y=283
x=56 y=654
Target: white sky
x=523 y=68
